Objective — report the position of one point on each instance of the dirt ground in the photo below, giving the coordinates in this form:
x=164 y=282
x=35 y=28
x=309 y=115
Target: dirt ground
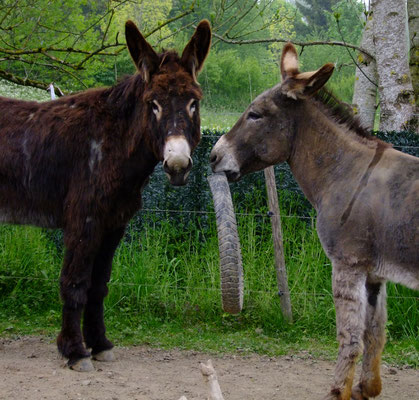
x=30 y=368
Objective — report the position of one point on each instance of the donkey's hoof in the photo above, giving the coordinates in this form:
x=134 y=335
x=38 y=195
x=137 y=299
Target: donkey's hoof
x=105 y=355
x=357 y=393
x=82 y=365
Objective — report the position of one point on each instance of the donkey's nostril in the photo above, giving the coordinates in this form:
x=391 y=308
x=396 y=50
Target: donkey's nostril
x=165 y=167
x=213 y=158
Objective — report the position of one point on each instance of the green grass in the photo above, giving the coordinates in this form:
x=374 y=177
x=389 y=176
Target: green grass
x=218 y=119
x=8 y=89
x=164 y=291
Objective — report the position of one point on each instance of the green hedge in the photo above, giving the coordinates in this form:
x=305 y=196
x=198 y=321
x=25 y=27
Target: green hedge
x=249 y=193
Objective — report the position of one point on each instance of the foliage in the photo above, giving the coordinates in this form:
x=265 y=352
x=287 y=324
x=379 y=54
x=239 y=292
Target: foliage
x=44 y=41
x=315 y=12
x=79 y=44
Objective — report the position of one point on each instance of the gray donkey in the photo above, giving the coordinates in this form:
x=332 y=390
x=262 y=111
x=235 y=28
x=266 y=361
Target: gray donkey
x=366 y=195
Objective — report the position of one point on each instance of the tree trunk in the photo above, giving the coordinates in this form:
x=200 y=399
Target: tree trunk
x=365 y=92
x=395 y=84
x=413 y=21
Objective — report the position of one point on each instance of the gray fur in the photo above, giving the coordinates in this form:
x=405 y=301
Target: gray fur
x=366 y=195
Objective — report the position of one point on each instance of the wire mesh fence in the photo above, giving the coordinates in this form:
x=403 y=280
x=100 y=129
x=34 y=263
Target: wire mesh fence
x=194 y=201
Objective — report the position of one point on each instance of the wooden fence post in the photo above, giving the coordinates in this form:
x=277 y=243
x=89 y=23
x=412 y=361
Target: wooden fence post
x=281 y=272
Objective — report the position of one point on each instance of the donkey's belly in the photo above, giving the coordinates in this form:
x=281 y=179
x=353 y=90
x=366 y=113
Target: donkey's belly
x=28 y=217
x=405 y=274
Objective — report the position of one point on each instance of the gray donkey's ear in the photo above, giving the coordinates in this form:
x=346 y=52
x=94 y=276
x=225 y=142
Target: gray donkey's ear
x=289 y=61
x=306 y=84
x=296 y=84
x=145 y=58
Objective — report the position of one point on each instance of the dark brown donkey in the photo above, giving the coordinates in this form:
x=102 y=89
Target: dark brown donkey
x=80 y=163
x=367 y=199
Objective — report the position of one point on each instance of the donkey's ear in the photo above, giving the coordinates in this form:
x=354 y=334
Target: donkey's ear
x=305 y=84
x=289 y=61
x=145 y=58
x=197 y=49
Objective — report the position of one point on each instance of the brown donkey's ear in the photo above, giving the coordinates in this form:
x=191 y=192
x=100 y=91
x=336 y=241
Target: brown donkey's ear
x=197 y=49
x=145 y=58
x=296 y=84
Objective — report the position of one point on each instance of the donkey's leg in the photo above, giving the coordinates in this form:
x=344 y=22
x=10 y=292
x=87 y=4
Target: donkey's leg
x=93 y=323
x=350 y=298
x=74 y=284
x=374 y=340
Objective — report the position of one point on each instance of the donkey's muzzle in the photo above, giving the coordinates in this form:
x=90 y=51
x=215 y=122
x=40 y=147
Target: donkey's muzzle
x=222 y=159
x=177 y=161
x=177 y=176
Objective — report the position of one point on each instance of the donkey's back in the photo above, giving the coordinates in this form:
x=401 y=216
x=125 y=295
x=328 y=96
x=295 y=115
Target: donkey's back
x=43 y=147
x=394 y=192
x=377 y=225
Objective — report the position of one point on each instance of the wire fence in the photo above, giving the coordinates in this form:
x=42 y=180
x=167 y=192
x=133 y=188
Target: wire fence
x=193 y=288
x=396 y=146
x=267 y=215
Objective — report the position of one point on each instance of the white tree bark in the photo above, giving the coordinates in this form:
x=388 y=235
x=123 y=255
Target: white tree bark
x=413 y=18
x=365 y=92
x=391 y=49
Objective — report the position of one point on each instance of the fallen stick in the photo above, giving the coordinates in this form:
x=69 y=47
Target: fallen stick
x=210 y=377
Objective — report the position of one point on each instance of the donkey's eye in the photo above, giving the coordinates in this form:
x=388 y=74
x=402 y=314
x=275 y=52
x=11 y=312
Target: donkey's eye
x=193 y=106
x=155 y=107
x=253 y=115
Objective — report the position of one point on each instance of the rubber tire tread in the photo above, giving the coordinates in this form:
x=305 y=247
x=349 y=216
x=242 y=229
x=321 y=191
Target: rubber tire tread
x=231 y=267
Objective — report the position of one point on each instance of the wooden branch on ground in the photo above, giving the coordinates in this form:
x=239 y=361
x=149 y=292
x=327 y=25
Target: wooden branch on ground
x=210 y=377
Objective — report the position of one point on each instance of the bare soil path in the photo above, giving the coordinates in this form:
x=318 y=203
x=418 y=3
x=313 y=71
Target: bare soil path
x=30 y=368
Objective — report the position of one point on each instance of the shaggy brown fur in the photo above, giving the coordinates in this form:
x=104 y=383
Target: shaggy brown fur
x=80 y=163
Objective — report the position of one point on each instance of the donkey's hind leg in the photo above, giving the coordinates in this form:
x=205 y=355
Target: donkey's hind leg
x=74 y=284
x=374 y=340
x=350 y=298
x=93 y=322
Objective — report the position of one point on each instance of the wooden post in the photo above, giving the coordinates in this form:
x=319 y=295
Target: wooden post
x=281 y=272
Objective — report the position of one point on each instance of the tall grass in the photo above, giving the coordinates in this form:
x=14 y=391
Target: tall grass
x=167 y=273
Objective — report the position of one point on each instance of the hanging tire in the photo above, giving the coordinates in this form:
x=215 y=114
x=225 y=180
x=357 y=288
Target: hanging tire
x=229 y=245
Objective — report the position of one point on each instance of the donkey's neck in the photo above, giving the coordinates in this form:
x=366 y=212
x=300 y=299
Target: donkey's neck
x=327 y=158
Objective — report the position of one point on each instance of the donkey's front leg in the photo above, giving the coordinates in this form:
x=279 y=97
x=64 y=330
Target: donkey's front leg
x=74 y=284
x=93 y=323
x=350 y=298
x=374 y=340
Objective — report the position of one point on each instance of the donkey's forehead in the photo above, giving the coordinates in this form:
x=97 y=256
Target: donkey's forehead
x=266 y=99
x=166 y=85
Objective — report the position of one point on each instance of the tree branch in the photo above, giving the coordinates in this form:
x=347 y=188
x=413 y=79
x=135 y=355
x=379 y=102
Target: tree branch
x=23 y=82
x=298 y=43
x=184 y=14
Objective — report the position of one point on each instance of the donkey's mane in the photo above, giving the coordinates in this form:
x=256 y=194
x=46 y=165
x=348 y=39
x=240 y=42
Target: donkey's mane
x=342 y=113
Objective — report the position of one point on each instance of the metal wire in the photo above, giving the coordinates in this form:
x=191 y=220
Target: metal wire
x=267 y=215
x=195 y=288
x=396 y=146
